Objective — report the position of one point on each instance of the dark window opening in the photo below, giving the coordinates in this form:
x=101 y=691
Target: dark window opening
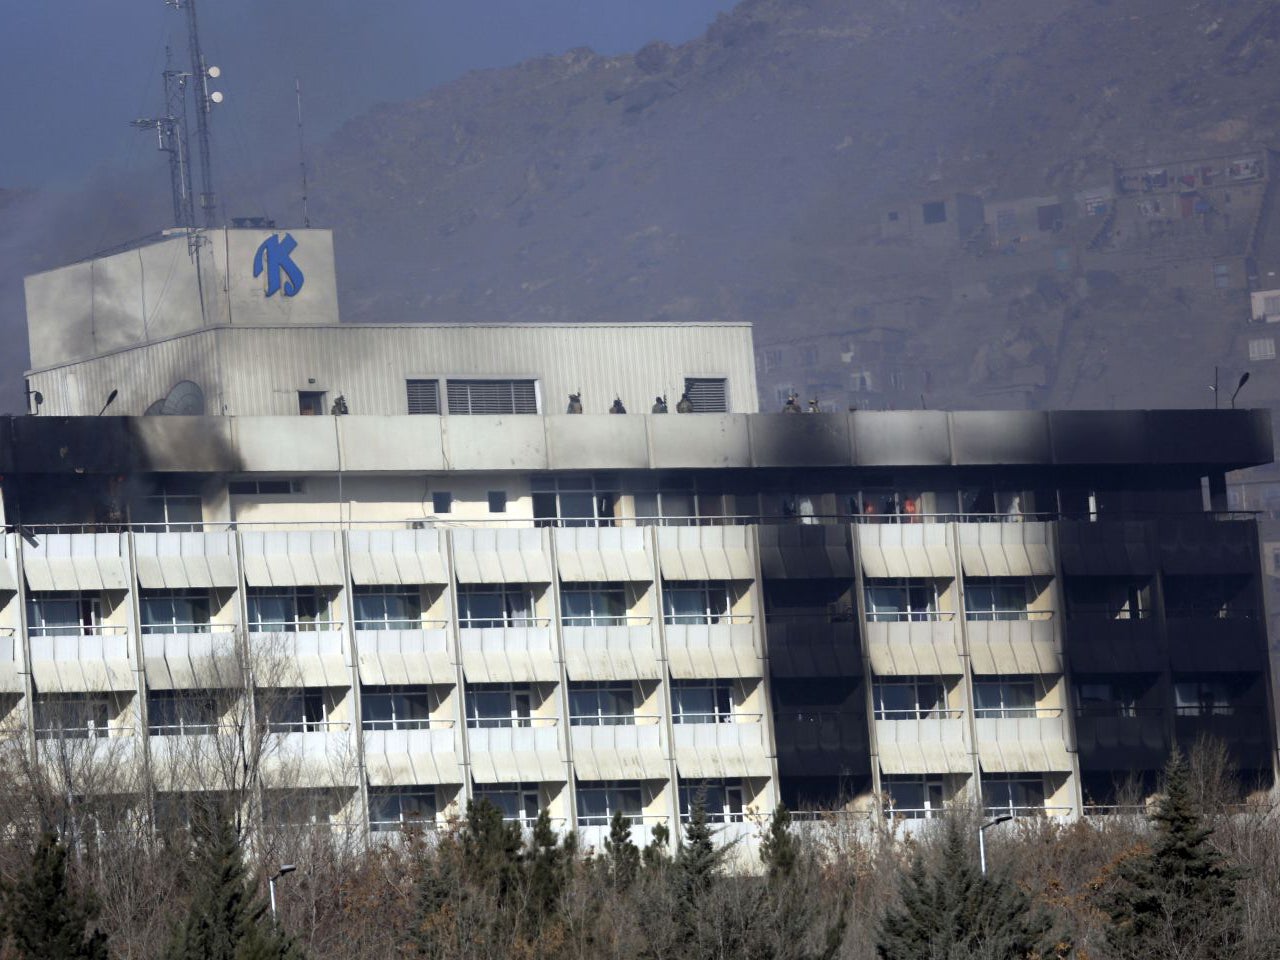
x=497 y=501
x=423 y=396
x=1049 y=217
x=934 y=212
x=311 y=403
x=492 y=397
x=442 y=502
x=707 y=394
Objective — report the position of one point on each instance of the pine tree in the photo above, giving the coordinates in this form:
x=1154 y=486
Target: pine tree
x=623 y=855
x=225 y=921
x=491 y=848
x=953 y=911
x=657 y=852
x=43 y=918
x=779 y=848
x=547 y=865
x=697 y=859
x=1178 y=898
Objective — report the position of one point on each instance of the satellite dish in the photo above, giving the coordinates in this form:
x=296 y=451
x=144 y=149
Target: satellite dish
x=186 y=399
x=214 y=72
x=216 y=96
x=154 y=410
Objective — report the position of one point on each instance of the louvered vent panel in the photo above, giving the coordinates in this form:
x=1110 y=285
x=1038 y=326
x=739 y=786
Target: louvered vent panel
x=492 y=397
x=424 y=396
x=708 y=394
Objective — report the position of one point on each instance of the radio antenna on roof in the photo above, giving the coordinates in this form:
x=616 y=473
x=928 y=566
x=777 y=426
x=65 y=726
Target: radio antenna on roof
x=205 y=98
x=302 y=154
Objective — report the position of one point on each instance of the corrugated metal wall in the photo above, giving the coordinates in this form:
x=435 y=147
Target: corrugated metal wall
x=263 y=368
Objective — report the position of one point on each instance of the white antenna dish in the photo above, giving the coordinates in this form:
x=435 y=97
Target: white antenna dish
x=186 y=399
x=215 y=72
x=216 y=96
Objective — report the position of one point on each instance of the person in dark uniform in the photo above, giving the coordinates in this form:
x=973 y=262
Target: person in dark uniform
x=575 y=403
x=792 y=405
x=617 y=406
x=659 y=405
x=685 y=405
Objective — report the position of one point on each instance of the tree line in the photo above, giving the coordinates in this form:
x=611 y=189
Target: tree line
x=1197 y=875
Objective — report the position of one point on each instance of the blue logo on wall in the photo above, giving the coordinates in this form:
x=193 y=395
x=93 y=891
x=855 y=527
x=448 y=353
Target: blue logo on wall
x=275 y=256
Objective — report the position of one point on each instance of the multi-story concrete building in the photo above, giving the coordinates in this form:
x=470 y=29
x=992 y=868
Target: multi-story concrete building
x=457 y=590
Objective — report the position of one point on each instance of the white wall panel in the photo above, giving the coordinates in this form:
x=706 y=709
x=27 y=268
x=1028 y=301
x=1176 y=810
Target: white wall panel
x=603 y=554
x=713 y=650
x=177 y=561
x=293 y=558
x=721 y=750
x=77 y=561
x=619 y=753
x=502 y=555
x=906 y=550
x=408 y=557
x=1012 y=549
x=612 y=653
x=931 y=745
x=705 y=553
x=389 y=657
x=508 y=655
x=1022 y=744
x=515 y=754
x=411 y=757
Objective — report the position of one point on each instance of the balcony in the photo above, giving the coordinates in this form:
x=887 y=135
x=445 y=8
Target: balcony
x=190 y=656
x=820 y=741
x=805 y=551
x=10 y=662
x=200 y=758
x=906 y=550
x=592 y=833
x=1121 y=738
x=309 y=754
x=612 y=648
x=1025 y=645
x=1022 y=740
x=813 y=645
x=915 y=644
x=629 y=749
x=112 y=764
x=526 y=750
x=304 y=654
x=1107 y=548
x=418 y=752
x=1099 y=643
x=705 y=553
x=725 y=648
x=186 y=561
x=1217 y=642
x=1244 y=728
x=720 y=750
x=408 y=657
x=83 y=562
x=1006 y=549
x=1202 y=545
x=81 y=659
x=923 y=744
x=521 y=653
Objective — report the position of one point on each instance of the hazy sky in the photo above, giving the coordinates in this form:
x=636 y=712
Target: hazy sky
x=73 y=73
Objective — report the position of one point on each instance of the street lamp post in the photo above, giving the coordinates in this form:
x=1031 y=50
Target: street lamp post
x=982 y=844
x=1244 y=378
x=271 y=884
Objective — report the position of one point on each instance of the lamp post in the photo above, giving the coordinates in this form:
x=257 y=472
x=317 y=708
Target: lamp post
x=271 y=883
x=982 y=844
x=1244 y=378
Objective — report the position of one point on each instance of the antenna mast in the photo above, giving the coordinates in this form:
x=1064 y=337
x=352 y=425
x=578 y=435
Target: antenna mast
x=204 y=105
x=171 y=133
x=302 y=154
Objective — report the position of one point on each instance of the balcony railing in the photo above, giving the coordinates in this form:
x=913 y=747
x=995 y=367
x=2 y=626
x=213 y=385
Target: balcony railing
x=161 y=629
x=602 y=621
x=1205 y=710
x=78 y=630
x=631 y=819
x=294 y=626
x=716 y=717
x=1017 y=713
x=406 y=624
x=1003 y=615
x=404 y=825
x=1030 y=810
x=420 y=723
x=307 y=726
x=921 y=714
x=1113 y=710
x=1210 y=613
x=418 y=523
x=189 y=729
x=705 y=619
x=500 y=723
x=909 y=616
x=502 y=623
x=842 y=615
x=1104 y=611
x=913 y=813
x=614 y=720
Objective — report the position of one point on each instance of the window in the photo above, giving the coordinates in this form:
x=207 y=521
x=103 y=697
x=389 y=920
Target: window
x=1017 y=795
x=423 y=396
x=995 y=599
x=395 y=708
x=311 y=403
x=1203 y=698
x=934 y=211
x=172 y=512
x=518 y=802
x=174 y=611
x=185 y=713
x=1263 y=348
x=239 y=488
x=592 y=604
x=1049 y=217
x=497 y=501
x=1004 y=699
x=575 y=500
x=72 y=716
x=441 y=502
x=492 y=397
x=707 y=394
x=493 y=705
x=1104 y=598
x=909 y=698
x=598 y=801
x=1210 y=596
x=1222 y=275
x=695 y=602
x=288 y=610
x=298 y=711
x=489 y=605
x=720 y=799
x=602 y=704
x=401 y=808
x=1105 y=697
x=896 y=600
x=912 y=798
x=892 y=216
x=388 y=608
x=1271 y=305
x=63 y=614
x=701 y=701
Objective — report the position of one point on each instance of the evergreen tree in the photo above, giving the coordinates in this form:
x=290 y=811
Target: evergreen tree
x=657 y=852
x=1177 y=898
x=697 y=859
x=491 y=848
x=225 y=920
x=43 y=918
x=953 y=912
x=547 y=867
x=779 y=848
x=623 y=855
